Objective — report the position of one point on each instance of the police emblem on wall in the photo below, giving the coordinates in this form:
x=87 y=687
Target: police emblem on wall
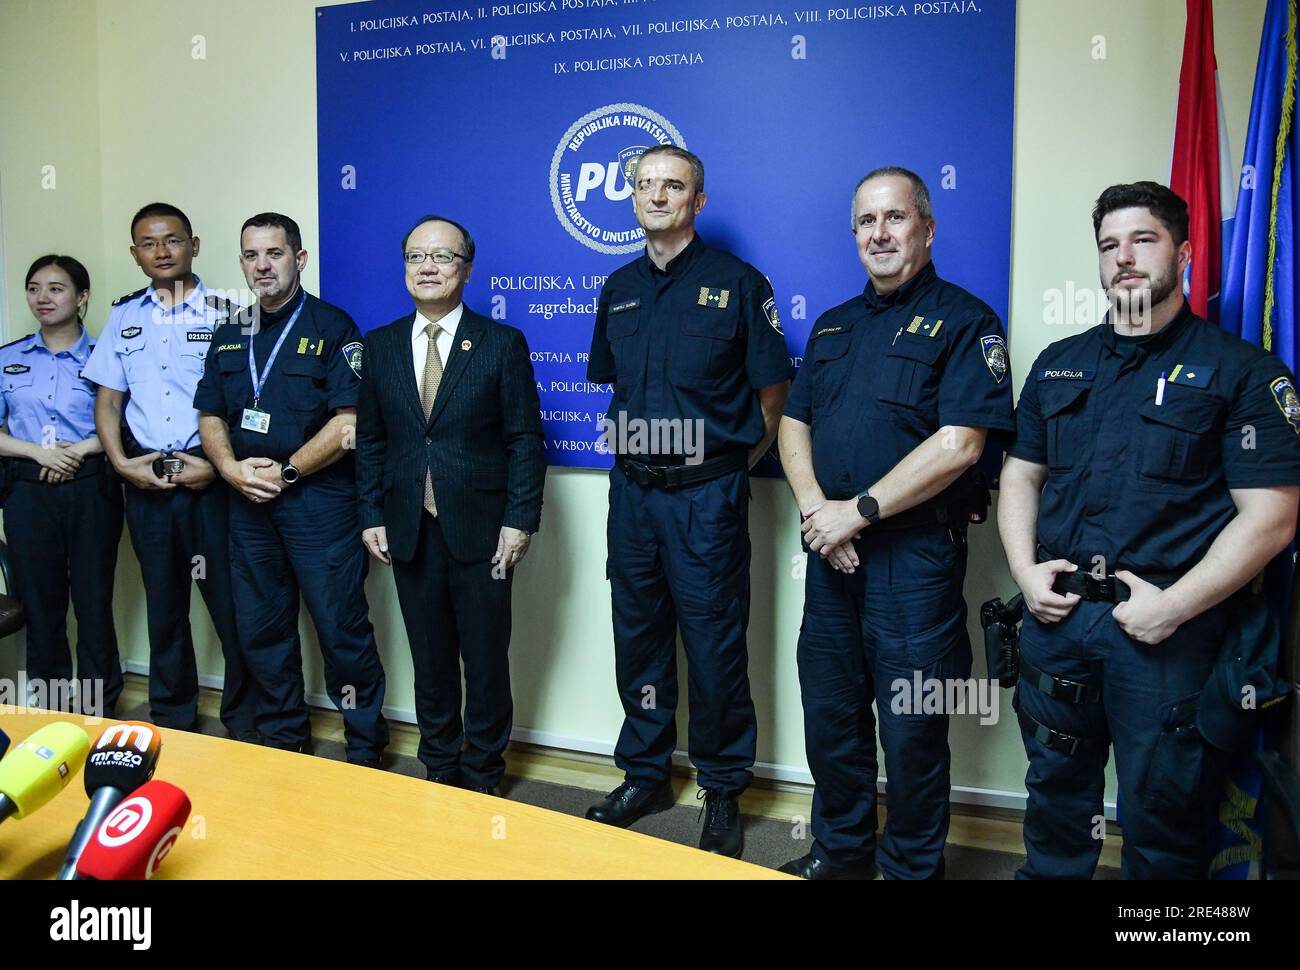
x=591 y=174
x=995 y=356
x=1284 y=394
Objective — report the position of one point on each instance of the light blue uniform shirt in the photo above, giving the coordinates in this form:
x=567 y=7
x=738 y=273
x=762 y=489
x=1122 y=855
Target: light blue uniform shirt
x=43 y=397
x=157 y=353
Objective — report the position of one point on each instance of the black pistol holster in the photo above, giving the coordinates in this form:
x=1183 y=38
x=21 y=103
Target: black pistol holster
x=1001 y=623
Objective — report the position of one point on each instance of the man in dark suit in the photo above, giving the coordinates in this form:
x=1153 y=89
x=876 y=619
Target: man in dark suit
x=450 y=469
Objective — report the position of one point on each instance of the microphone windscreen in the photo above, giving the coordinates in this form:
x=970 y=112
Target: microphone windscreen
x=41 y=765
x=136 y=837
x=4 y=743
x=123 y=757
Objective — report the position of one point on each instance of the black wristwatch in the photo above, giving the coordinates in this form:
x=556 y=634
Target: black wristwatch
x=289 y=473
x=868 y=508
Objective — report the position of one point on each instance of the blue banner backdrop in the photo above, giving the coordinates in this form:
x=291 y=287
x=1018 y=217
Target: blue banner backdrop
x=520 y=120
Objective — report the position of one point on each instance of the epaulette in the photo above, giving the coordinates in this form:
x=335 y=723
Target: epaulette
x=130 y=296
x=18 y=341
x=217 y=301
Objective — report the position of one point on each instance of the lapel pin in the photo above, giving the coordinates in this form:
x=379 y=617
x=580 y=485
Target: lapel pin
x=465 y=345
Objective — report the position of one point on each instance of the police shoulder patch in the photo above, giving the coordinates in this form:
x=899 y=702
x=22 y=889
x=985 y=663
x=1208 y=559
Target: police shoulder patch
x=774 y=318
x=995 y=356
x=352 y=353
x=130 y=333
x=1284 y=393
x=130 y=296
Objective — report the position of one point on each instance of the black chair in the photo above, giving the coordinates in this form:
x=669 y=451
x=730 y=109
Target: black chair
x=12 y=615
x=1279 y=817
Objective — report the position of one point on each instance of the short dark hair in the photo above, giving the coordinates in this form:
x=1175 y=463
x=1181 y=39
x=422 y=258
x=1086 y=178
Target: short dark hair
x=673 y=151
x=78 y=273
x=920 y=191
x=464 y=234
x=273 y=220
x=1160 y=200
x=161 y=210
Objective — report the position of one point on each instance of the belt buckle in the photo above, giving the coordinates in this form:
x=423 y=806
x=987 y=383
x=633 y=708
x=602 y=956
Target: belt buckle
x=1099 y=589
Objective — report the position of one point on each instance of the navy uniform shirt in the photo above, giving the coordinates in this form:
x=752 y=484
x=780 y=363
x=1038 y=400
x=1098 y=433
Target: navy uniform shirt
x=1145 y=484
x=691 y=342
x=43 y=397
x=317 y=371
x=156 y=354
x=882 y=374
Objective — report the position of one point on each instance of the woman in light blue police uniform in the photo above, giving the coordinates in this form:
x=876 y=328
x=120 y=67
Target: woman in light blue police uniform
x=63 y=517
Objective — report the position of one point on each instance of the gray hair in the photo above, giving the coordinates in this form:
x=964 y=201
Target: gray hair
x=697 y=166
x=920 y=193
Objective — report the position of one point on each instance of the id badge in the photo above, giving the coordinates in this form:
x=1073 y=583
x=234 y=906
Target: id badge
x=258 y=422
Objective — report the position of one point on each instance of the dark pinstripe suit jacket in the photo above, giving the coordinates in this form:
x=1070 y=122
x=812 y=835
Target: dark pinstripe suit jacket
x=483 y=440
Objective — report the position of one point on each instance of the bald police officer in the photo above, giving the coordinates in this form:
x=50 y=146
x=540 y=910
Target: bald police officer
x=1155 y=471
x=898 y=392
x=691 y=340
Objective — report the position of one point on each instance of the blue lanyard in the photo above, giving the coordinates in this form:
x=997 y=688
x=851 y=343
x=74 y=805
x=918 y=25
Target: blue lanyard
x=260 y=382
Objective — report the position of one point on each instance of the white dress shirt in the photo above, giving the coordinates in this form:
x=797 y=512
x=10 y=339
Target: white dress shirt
x=420 y=339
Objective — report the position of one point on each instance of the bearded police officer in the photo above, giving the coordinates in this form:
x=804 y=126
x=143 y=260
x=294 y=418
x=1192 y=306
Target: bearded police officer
x=147 y=363
x=279 y=411
x=691 y=340
x=1154 y=473
x=899 y=390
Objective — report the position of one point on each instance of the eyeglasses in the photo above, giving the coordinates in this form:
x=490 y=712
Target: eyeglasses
x=440 y=256
x=171 y=242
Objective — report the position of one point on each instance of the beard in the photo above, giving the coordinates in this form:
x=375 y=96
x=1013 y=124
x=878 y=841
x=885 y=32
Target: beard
x=1137 y=305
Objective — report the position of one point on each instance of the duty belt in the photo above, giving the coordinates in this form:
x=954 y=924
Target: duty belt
x=26 y=470
x=1102 y=589
x=679 y=476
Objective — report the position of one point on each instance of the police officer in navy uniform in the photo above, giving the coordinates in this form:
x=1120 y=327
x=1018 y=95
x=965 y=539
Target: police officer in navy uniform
x=691 y=340
x=63 y=515
x=147 y=363
x=898 y=393
x=1155 y=471
x=279 y=402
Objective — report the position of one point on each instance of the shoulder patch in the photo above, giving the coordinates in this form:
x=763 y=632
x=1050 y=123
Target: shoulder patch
x=130 y=296
x=130 y=333
x=17 y=369
x=774 y=318
x=353 y=353
x=995 y=355
x=1284 y=394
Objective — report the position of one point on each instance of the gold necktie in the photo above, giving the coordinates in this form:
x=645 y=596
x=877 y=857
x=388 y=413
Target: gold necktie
x=428 y=393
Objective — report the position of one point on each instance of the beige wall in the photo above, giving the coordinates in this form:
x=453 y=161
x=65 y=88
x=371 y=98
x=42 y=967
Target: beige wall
x=109 y=93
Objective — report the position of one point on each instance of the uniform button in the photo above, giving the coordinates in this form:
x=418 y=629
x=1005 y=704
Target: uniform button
x=428 y=441
x=164 y=366
x=167 y=393
x=169 y=419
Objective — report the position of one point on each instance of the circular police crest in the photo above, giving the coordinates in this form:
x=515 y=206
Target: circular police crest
x=591 y=174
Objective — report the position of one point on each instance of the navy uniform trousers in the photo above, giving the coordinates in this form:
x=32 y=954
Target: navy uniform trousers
x=1168 y=776
x=180 y=535
x=307 y=539
x=680 y=558
x=901 y=611
x=64 y=538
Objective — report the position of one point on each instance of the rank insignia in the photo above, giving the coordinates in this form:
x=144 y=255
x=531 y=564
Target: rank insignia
x=1284 y=394
x=1191 y=375
x=17 y=369
x=311 y=348
x=718 y=299
x=924 y=327
x=774 y=318
x=131 y=332
x=352 y=353
x=995 y=355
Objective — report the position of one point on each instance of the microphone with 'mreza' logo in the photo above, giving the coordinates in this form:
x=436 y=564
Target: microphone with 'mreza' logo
x=137 y=835
x=40 y=767
x=123 y=758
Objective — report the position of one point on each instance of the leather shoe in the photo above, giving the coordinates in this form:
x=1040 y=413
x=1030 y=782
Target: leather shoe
x=493 y=791
x=723 y=832
x=812 y=868
x=629 y=802
x=451 y=778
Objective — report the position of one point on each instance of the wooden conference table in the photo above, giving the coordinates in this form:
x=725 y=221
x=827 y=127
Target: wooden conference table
x=259 y=813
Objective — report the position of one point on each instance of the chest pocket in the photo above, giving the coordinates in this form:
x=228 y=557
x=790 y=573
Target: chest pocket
x=18 y=385
x=908 y=373
x=621 y=329
x=235 y=382
x=830 y=363
x=1063 y=404
x=192 y=358
x=135 y=362
x=1179 y=439
x=304 y=388
x=706 y=348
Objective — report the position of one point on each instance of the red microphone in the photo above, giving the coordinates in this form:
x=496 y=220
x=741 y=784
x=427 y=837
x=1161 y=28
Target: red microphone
x=136 y=837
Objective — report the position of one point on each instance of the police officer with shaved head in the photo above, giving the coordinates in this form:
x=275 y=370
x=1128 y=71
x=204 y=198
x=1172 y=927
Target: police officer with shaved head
x=900 y=388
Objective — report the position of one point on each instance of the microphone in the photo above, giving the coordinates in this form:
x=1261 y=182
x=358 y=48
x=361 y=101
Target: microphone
x=133 y=841
x=4 y=743
x=40 y=767
x=123 y=758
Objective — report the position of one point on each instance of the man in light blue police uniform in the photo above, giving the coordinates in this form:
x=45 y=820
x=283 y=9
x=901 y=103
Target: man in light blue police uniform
x=149 y=360
x=278 y=401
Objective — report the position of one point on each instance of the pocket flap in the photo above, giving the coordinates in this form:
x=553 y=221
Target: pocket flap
x=831 y=347
x=303 y=365
x=1059 y=395
x=622 y=324
x=1187 y=410
x=718 y=324
x=924 y=349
